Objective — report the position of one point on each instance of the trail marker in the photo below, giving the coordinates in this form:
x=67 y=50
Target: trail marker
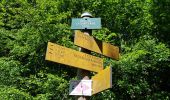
x=90 y=43
x=86 y=23
x=85 y=62
x=102 y=80
x=67 y=56
x=83 y=87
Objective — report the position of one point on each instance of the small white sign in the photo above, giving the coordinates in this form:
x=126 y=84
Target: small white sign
x=83 y=87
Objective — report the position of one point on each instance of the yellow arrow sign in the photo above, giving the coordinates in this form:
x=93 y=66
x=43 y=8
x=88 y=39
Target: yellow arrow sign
x=67 y=56
x=88 y=42
x=102 y=80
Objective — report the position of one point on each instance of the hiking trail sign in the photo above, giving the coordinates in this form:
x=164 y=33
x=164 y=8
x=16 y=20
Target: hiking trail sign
x=102 y=80
x=60 y=54
x=90 y=43
x=80 y=87
x=67 y=56
x=86 y=23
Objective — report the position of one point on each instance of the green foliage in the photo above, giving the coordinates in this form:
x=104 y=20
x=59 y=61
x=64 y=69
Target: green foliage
x=46 y=86
x=9 y=71
x=11 y=93
x=139 y=28
x=142 y=71
x=4 y=35
x=161 y=18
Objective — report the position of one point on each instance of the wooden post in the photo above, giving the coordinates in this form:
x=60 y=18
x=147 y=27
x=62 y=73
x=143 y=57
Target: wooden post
x=84 y=74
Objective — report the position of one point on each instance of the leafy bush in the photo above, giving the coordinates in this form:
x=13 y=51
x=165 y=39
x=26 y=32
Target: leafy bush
x=11 y=93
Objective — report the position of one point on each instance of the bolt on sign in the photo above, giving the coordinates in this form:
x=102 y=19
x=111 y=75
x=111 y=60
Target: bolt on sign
x=86 y=23
x=67 y=56
x=102 y=80
x=88 y=42
x=80 y=87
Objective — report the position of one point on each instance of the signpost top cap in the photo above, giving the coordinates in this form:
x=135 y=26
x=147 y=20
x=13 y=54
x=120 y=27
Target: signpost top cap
x=86 y=14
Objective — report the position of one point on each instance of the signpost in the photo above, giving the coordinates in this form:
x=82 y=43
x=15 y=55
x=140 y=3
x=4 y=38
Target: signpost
x=67 y=56
x=85 y=62
x=102 y=80
x=86 y=23
x=83 y=74
x=88 y=42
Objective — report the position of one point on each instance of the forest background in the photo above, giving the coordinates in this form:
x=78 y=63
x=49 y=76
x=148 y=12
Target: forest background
x=140 y=28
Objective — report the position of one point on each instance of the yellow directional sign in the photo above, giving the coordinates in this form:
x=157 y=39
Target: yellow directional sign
x=88 y=42
x=102 y=80
x=67 y=56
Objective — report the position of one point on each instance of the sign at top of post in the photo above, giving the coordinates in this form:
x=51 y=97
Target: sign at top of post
x=86 y=23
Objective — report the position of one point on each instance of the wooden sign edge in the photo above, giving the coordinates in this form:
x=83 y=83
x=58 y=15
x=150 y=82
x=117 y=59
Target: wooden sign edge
x=110 y=80
x=71 y=65
x=116 y=47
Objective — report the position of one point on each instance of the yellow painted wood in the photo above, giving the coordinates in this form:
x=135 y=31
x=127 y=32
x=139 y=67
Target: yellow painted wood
x=102 y=80
x=90 y=43
x=86 y=41
x=67 y=56
x=110 y=50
